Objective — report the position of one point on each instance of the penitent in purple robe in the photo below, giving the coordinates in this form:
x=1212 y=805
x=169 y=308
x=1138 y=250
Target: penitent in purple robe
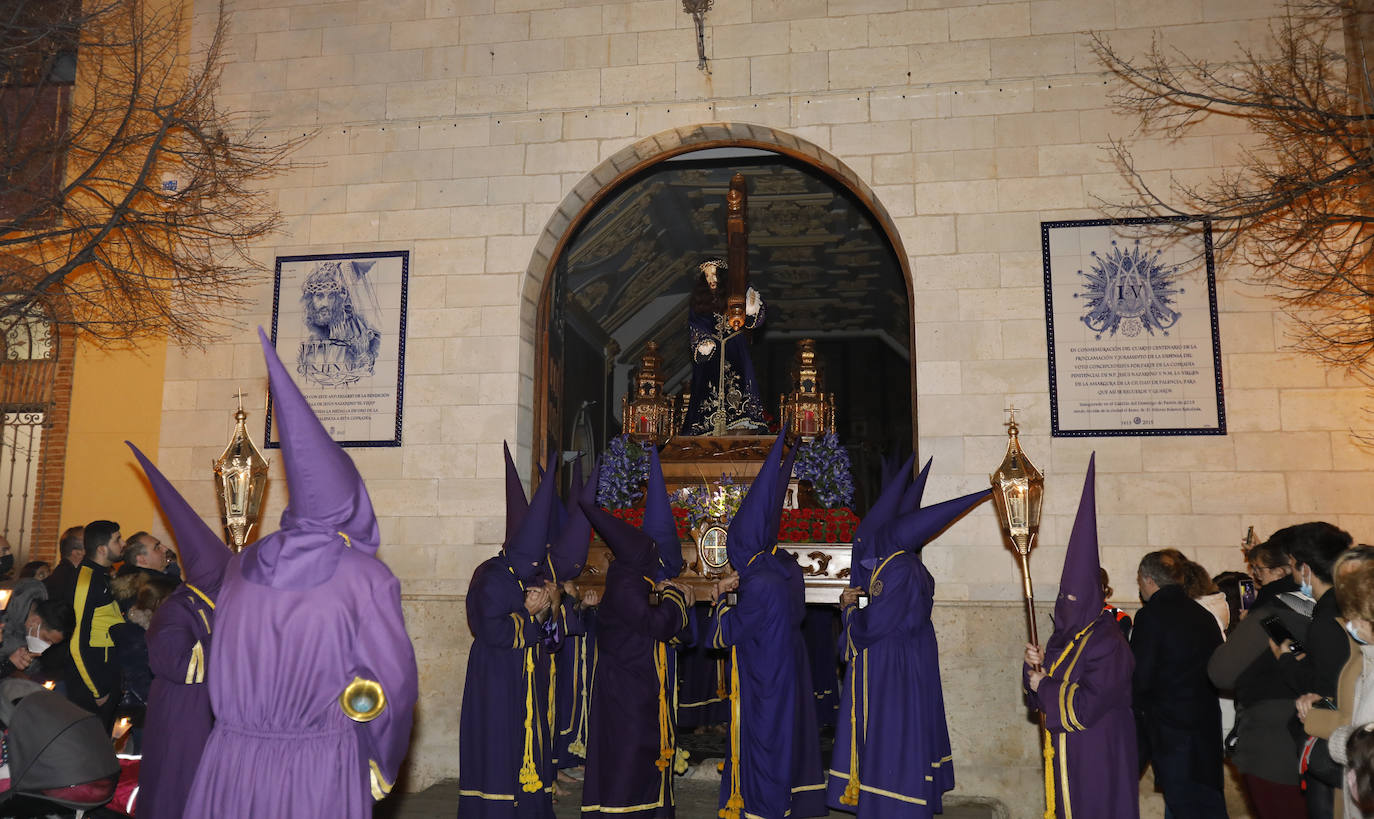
x=504 y=722
x=1085 y=695
x=179 y=717
x=774 y=727
x=891 y=727
x=1086 y=700
x=631 y=741
x=892 y=754
x=301 y=615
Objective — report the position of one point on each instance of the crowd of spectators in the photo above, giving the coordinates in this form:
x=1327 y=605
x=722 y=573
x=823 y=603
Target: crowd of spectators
x=1290 y=647
x=80 y=627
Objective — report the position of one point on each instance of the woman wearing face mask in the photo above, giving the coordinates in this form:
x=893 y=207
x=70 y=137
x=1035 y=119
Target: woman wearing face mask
x=1260 y=744
x=1354 y=589
x=32 y=623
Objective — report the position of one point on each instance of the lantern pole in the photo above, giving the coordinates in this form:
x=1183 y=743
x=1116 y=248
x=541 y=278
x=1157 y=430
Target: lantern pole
x=1018 y=489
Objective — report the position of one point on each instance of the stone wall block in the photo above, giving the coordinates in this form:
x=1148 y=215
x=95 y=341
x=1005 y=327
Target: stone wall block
x=868 y=67
x=487 y=220
x=908 y=27
x=950 y=62
x=417 y=165
x=501 y=160
x=828 y=34
x=640 y=83
x=285 y=45
x=424 y=98
x=487 y=94
x=640 y=16
x=495 y=28
x=1040 y=194
x=565 y=22
x=1064 y=16
x=989 y=21
x=749 y=40
x=871 y=138
x=452 y=192
x=955 y=197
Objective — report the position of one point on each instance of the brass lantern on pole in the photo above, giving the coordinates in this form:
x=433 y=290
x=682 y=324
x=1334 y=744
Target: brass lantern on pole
x=1017 y=490
x=240 y=479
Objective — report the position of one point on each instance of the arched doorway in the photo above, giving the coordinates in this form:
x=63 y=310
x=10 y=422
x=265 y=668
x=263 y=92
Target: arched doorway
x=614 y=267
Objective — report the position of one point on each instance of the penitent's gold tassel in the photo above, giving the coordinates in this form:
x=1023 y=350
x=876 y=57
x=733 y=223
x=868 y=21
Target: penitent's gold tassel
x=578 y=746
x=665 y=740
x=851 y=790
x=735 y=803
x=529 y=776
x=1049 y=775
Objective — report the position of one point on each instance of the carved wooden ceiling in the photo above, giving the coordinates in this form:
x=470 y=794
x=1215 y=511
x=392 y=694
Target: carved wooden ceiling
x=815 y=254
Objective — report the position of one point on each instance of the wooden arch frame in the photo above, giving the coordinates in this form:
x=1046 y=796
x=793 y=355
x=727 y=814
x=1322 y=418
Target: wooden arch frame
x=607 y=177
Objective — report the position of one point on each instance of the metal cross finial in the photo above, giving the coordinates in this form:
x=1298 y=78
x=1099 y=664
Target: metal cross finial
x=698 y=9
x=239 y=393
x=1011 y=413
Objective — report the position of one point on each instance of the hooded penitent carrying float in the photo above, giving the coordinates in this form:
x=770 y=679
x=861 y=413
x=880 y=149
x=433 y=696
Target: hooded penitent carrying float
x=306 y=618
x=631 y=737
x=1085 y=696
x=505 y=764
x=773 y=769
x=892 y=753
x=574 y=655
x=179 y=718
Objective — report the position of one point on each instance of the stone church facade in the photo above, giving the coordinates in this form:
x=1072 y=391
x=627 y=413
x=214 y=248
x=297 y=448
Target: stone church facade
x=472 y=132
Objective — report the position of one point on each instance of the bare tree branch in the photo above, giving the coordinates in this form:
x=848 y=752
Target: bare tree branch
x=1299 y=209
x=128 y=200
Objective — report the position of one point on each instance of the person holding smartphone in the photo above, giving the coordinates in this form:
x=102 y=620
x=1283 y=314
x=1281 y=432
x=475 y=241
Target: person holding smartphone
x=1263 y=749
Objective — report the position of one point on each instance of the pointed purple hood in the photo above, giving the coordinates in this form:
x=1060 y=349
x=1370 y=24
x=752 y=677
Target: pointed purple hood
x=863 y=555
x=911 y=498
x=568 y=551
x=658 y=519
x=632 y=547
x=516 y=503
x=748 y=533
x=329 y=509
x=1081 y=579
x=527 y=547
x=203 y=554
x=913 y=530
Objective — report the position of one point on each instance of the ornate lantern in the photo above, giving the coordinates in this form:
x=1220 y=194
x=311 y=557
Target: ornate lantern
x=240 y=479
x=648 y=414
x=807 y=412
x=1017 y=490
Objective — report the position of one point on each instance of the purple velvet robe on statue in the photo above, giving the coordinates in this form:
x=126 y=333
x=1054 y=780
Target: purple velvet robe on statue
x=624 y=734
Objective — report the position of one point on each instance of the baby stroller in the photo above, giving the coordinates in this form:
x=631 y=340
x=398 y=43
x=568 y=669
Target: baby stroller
x=60 y=759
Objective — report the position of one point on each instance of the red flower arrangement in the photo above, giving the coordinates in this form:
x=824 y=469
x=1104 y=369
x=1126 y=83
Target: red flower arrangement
x=798 y=525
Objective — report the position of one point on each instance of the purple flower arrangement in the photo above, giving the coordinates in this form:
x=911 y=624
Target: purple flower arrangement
x=825 y=463
x=623 y=475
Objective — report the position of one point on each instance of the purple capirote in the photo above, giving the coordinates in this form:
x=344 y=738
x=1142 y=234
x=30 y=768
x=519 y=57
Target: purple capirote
x=179 y=718
x=1086 y=692
x=302 y=613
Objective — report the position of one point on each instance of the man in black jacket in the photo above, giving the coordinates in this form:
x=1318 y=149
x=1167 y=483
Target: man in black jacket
x=1313 y=548
x=93 y=673
x=71 y=550
x=1176 y=707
